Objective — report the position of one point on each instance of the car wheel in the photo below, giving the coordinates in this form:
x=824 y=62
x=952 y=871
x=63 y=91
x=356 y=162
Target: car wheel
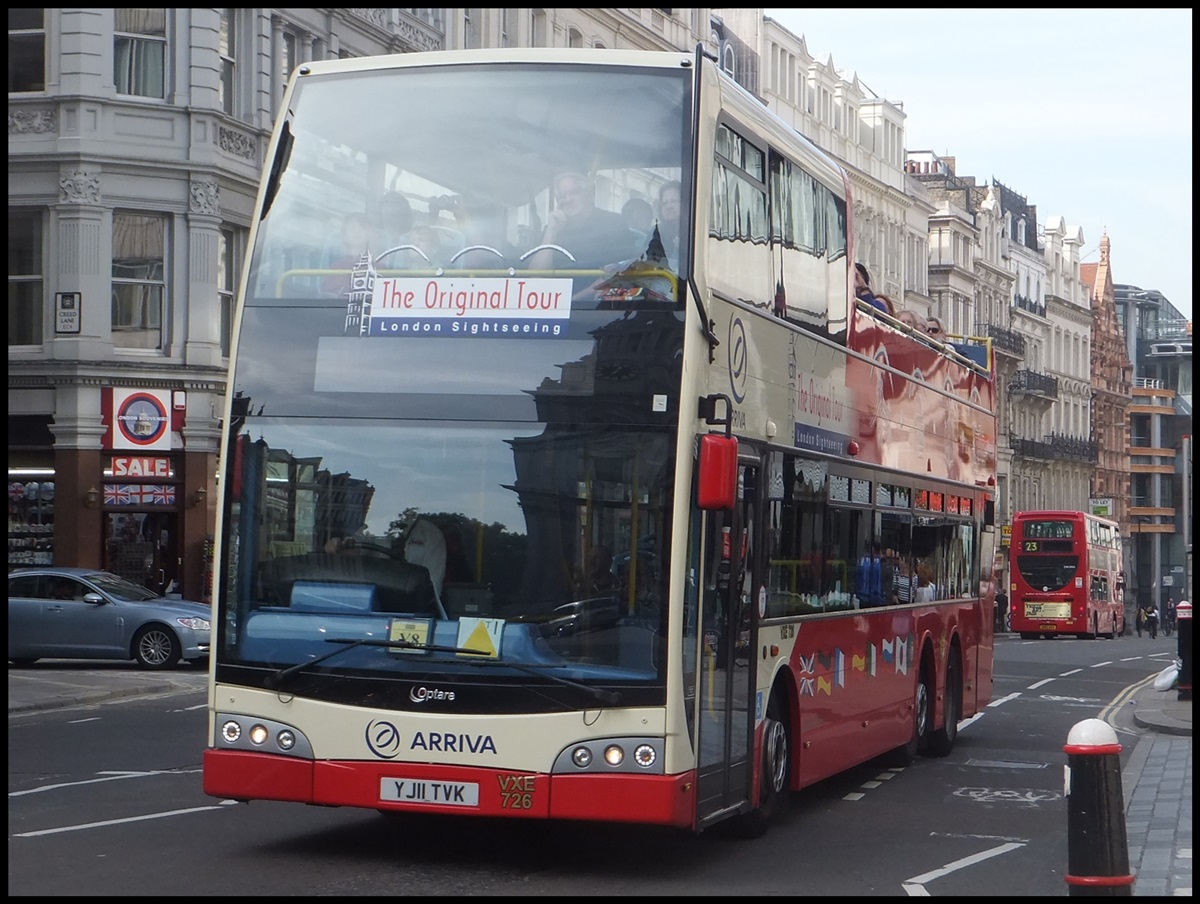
x=941 y=741
x=23 y=662
x=156 y=647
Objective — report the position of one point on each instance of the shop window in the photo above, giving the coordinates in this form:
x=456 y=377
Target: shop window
x=30 y=517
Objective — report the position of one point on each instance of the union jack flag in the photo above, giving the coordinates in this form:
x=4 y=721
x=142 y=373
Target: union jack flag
x=121 y=494
x=156 y=494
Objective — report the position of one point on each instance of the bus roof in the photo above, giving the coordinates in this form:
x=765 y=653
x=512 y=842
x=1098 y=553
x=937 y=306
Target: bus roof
x=564 y=55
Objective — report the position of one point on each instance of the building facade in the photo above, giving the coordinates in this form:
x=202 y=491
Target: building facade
x=1158 y=340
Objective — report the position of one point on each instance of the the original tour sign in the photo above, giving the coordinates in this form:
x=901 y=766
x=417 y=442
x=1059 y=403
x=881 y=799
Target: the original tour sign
x=141 y=419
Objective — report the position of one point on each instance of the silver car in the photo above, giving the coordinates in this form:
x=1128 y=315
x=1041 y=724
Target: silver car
x=83 y=613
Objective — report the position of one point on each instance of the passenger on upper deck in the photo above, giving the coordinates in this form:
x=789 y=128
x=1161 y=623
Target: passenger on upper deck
x=934 y=327
x=889 y=306
x=593 y=237
x=669 y=210
x=862 y=288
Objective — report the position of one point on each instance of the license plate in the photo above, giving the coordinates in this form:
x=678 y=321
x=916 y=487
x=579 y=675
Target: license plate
x=428 y=791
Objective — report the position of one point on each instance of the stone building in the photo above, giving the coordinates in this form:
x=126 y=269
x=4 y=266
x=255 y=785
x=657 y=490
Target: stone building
x=1111 y=381
x=1158 y=340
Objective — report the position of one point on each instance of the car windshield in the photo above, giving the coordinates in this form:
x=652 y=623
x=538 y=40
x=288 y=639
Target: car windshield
x=121 y=588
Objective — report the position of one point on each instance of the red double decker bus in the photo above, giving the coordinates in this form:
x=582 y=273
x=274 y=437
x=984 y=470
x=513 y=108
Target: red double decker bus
x=1066 y=575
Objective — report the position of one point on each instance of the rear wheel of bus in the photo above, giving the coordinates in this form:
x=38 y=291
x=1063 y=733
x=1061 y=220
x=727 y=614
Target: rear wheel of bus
x=941 y=741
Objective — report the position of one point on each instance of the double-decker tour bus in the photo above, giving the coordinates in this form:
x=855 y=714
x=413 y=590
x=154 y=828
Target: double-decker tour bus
x=1066 y=575
x=529 y=510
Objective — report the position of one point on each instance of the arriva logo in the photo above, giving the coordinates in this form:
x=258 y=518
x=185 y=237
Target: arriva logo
x=421 y=694
x=383 y=739
x=739 y=359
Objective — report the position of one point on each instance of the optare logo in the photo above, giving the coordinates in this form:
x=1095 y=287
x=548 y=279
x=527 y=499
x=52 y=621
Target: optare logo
x=421 y=694
x=383 y=739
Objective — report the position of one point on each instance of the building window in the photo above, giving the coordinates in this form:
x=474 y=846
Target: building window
x=288 y=56
x=227 y=47
x=574 y=37
x=140 y=52
x=25 y=279
x=472 y=26
x=537 y=28
x=229 y=266
x=138 y=279
x=26 y=51
x=507 y=19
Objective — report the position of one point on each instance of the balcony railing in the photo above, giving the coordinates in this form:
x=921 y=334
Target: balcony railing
x=1073 y=448
x=1056 y=447
x=1026 y=381
x=1006 y=340
x=1025 y=303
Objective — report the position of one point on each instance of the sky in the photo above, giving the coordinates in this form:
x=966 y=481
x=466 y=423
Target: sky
x=1086 y=113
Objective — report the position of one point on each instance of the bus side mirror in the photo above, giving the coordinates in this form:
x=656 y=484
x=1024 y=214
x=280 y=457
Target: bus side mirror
x=716 y=484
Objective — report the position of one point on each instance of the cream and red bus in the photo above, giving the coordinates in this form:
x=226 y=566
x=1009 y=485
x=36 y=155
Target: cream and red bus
x=601 y=523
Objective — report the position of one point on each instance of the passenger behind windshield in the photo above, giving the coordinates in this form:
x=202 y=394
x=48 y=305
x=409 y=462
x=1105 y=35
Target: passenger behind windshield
x=591 y=236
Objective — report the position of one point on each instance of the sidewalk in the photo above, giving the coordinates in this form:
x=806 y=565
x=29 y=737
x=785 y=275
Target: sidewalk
x=1158 y=796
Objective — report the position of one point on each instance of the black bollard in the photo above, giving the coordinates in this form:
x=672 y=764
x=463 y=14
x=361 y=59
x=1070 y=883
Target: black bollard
x=1183 y=624
x=1097 y=850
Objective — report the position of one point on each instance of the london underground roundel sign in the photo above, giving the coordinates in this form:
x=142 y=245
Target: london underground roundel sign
x=142 y=422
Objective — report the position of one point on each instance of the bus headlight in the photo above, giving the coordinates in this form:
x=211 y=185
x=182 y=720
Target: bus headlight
x=245 y=733
x=645 y=755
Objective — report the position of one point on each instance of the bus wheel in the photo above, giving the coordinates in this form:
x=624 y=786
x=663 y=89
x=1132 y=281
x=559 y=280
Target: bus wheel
x=941 y=741
x=1029 y=635
x=907 y=752
x=775 y=781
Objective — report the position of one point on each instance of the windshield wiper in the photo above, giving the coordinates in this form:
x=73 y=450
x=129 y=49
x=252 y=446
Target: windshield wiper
x=276 y=681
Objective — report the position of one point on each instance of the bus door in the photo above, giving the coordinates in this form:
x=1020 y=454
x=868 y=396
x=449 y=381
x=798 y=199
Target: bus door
x=727 y=667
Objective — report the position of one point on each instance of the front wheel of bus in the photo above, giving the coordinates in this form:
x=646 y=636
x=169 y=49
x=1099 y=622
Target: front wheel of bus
x=941 y=741
x=906 y=753
x=775 y=781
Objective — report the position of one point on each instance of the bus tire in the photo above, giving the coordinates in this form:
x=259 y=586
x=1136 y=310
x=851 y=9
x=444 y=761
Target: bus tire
x=775 y=783
x=1029 y=635
x=906 y=753
x=941 y=740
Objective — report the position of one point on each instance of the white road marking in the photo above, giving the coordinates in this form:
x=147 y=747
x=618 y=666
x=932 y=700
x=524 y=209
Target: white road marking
x=117 y=822
x=107 y=777
x=914 y=887
x=1037 y=684
x=1004 y=699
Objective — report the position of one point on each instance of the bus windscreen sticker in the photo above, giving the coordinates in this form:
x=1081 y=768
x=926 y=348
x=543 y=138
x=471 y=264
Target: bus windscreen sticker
x=457 y=306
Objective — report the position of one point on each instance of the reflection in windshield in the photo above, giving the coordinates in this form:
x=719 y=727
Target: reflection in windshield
x=556 y=533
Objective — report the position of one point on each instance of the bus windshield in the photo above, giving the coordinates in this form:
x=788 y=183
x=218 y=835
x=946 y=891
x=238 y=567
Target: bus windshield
x=478 y=172
x=444 y=432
